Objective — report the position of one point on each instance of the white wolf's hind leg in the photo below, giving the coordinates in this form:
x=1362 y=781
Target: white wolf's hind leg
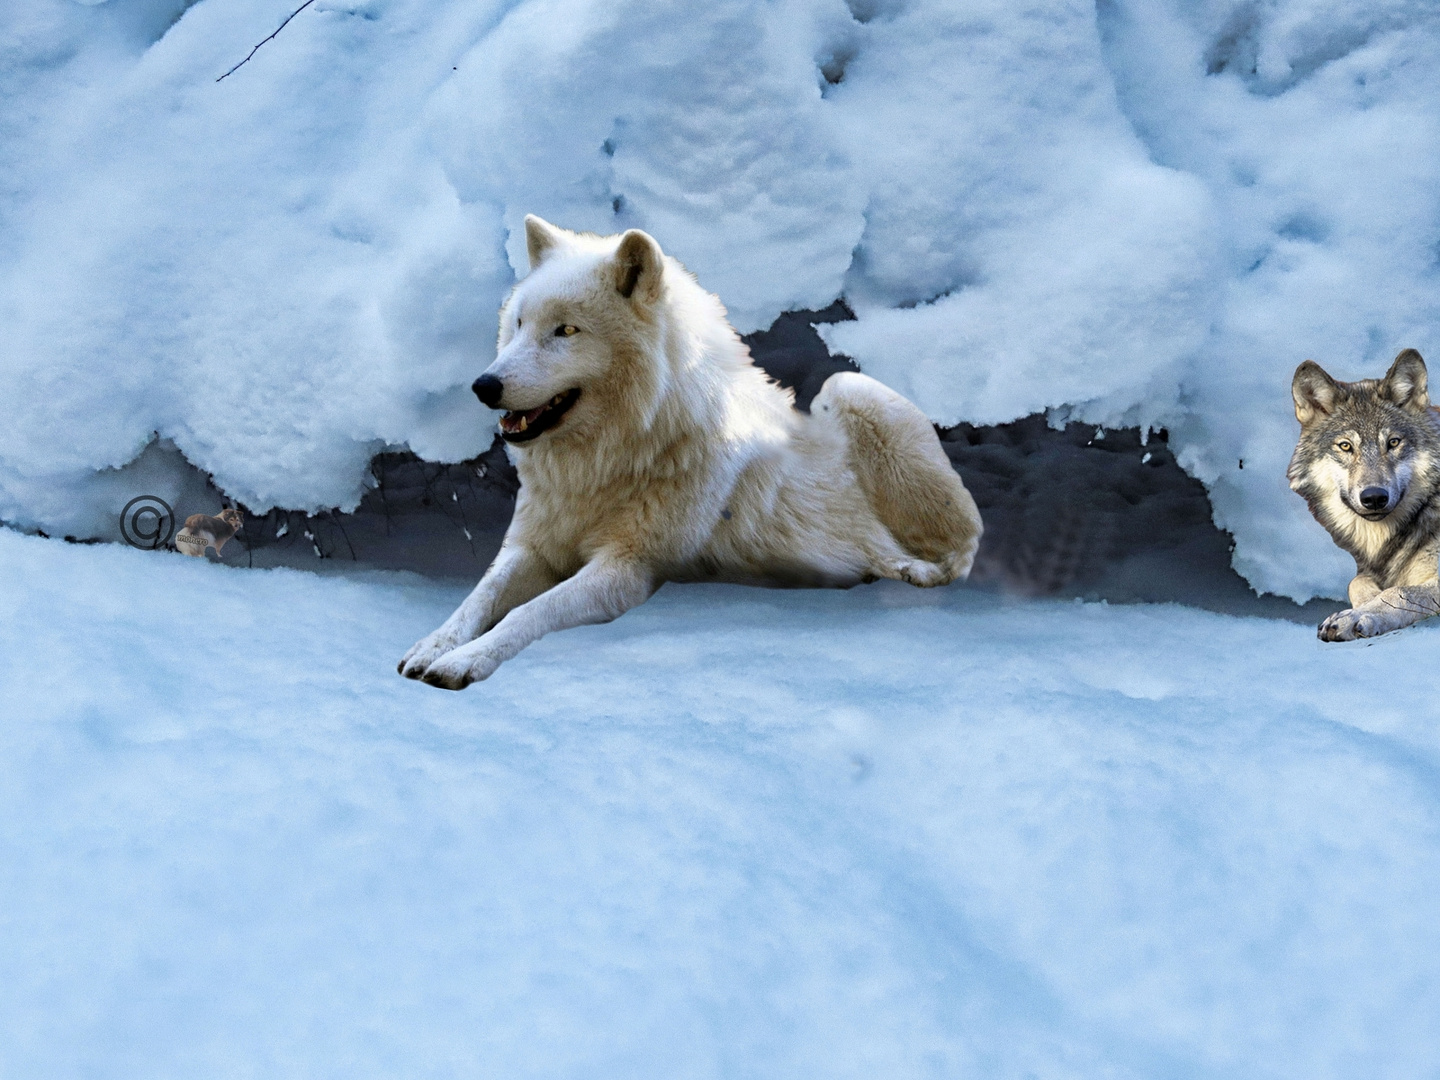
x=918 y=572
x=908 y=481
x=515 y=577
x=889 y=560
x=958 y=563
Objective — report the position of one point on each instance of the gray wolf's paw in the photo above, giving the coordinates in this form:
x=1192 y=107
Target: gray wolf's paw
x=424 y=653
x=460 y=667
x=1350 y=624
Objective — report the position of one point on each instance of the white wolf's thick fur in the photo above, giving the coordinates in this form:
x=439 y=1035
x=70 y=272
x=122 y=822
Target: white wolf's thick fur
x=680 y=460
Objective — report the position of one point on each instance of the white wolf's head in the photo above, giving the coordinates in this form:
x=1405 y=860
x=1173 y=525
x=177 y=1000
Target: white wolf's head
x=580 y=336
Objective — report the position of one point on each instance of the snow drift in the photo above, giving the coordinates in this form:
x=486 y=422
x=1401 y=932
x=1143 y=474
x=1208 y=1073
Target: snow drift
x=1125 y=213
x=878 y=833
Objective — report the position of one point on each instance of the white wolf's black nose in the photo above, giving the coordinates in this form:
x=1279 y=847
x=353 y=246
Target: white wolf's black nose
x=489 y=390
x=1374 y=498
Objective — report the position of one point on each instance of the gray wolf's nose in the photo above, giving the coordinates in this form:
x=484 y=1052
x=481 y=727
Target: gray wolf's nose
x=1374 y=498
x=489 y=390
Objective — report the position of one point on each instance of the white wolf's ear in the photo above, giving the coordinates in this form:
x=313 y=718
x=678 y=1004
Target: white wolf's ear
x=639 y=266
x=541 y=238
x=1314 y=392
x=1404 y=383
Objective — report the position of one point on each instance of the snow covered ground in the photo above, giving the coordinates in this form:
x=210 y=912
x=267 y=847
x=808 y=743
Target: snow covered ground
x=883 y=833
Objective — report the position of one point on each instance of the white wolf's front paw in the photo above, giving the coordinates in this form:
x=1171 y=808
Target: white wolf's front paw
x=1350 y=624
x=425 y=652
x=460 y=667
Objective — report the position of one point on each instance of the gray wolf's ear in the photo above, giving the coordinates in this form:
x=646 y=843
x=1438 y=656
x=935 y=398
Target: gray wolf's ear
x=541 y=238
x=1314 y=392
x=639 y=266
x=1404 y=383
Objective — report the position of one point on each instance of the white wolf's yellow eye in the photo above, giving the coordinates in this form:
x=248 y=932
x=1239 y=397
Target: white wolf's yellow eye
x=1344 y=446
x=566 y=331
x=1394 y=442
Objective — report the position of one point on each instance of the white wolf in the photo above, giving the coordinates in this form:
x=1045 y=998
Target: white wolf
x=650 y=449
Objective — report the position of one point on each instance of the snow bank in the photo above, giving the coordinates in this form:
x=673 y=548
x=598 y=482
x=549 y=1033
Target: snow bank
x=1127 y=213
x=737 y=832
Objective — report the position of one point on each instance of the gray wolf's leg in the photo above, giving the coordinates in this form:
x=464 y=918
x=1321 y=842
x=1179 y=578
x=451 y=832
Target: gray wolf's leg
x=907 y=479
x=1363 y=589
x=604 y=589
x=515 y=577
x=1392 y=609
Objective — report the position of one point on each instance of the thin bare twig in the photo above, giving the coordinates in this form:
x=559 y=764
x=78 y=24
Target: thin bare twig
x=1424 y=605
x=253 y=51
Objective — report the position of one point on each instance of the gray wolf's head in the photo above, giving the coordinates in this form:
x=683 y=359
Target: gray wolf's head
x=579 y=335
x=1365 y=445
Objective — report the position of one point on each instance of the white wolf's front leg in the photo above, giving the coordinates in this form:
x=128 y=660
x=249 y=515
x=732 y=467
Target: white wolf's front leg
x=1392 y=609
x=514 y=577
x=604 y=589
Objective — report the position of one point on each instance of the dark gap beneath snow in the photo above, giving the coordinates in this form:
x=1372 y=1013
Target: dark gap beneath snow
x=792 y=353
x=1068 y=512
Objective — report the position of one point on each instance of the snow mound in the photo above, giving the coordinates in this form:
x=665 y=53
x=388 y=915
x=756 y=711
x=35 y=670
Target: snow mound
x=737 y=832
x=1125 y=213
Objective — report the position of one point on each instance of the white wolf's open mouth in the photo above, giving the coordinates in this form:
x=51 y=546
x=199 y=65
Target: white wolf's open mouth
x=522 y=426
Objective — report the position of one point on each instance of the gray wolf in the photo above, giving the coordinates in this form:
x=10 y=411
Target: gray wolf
x=650 y=449
x=202 y=531
x=1368 y=465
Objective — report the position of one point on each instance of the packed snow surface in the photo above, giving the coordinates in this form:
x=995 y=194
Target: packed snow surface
x=1140 y=212
x=738 y=832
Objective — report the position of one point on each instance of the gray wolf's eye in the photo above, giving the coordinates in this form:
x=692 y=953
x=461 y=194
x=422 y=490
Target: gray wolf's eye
x=566 y=331
x=1344 y=446
x=1394 y=442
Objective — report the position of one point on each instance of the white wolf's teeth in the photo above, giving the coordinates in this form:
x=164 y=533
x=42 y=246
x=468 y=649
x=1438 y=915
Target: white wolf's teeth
x=522 y=425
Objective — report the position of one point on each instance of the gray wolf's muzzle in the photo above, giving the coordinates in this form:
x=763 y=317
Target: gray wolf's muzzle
x=1375 y=499
x=1374 y=503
